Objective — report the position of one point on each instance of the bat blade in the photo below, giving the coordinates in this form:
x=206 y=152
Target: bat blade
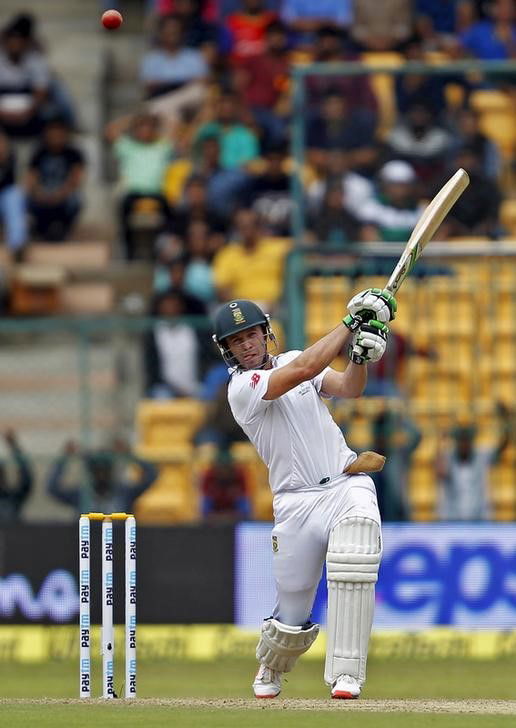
x=427 y=226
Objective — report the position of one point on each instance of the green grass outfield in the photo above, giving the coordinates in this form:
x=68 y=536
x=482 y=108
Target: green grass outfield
x=389 y=699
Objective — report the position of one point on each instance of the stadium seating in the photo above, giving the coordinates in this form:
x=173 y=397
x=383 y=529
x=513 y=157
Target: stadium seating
x=172 y=498
x=497 y=113
x=257 y=480
x=508 y=216
x=465 y=381
x=383 y=86
x=166 y=430
x=164 y=424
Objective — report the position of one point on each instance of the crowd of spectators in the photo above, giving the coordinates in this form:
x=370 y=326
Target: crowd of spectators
x=212 y=135
x=217 y=94
x=215 y=132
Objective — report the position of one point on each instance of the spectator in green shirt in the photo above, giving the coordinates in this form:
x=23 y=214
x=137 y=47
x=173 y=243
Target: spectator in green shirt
x=238 y=144
x=143 y=157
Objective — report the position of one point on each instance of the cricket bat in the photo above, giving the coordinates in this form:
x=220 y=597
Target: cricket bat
x=426 y=227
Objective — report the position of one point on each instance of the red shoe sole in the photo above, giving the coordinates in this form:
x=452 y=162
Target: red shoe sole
x=343 y=695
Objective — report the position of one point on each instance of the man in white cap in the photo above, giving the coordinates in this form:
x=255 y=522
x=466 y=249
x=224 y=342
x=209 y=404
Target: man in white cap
x=394 y=211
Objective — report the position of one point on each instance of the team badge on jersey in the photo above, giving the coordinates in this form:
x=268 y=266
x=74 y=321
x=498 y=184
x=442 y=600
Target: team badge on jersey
x=275 y=547
x=254 y=380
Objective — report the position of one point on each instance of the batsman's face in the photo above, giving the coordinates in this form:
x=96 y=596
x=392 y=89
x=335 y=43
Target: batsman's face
x=248 y=347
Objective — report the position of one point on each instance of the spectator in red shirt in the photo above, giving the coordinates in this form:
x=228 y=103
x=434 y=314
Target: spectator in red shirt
x=247 y=29
x=223 y=490
x=263 y=83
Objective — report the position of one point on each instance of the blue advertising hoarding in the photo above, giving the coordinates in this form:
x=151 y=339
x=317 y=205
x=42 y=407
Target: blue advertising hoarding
x=461 y=575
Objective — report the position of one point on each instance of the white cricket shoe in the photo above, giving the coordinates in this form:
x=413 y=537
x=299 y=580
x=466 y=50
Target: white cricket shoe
x=267 y=683
x=345 y=687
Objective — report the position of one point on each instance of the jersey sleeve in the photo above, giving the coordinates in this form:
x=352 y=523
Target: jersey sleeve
x=318 y=381
x=245 y=394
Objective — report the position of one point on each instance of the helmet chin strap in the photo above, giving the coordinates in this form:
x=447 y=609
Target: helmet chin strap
x=231 y=359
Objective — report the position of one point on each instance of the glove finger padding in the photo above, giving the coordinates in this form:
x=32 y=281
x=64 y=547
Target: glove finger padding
x=369 y=343
x=373 y=303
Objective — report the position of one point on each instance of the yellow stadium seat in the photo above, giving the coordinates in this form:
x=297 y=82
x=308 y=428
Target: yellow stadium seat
x=383 y=87
x=423 y=493
x=445 y=388
x=257 y=478
x=358 y=433
x=322 y=288
x=500 y=385
x=454 y=95
x=497 y=118
x=500 y=357
x=164 y=424
x=364 y=282
x=504 y=299
x=436 y=58
x=425 y=453
x=451 y=302
x=502 y=492
x=171 y=499
x=261 y=505
x=508 y=215
x=326 y=298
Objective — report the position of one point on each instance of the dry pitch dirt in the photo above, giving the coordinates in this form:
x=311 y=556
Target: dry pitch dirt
x=482 y=707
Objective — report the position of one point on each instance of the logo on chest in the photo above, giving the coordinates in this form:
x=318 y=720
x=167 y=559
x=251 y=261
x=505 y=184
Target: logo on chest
x=254 y=381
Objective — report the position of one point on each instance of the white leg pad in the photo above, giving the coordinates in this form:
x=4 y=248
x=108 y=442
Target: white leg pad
x=281 y=644
x=352 y=563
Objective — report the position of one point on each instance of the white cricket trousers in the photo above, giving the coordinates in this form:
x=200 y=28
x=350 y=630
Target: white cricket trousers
x=303 y=522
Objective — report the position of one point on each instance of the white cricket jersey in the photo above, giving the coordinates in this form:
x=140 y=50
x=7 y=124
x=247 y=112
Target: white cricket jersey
x=295 y=435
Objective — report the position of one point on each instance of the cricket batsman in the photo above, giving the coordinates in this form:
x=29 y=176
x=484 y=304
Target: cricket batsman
x=325 y=504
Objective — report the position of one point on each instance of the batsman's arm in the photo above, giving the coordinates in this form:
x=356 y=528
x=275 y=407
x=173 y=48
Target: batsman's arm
x=348 y=384
x=309 y=363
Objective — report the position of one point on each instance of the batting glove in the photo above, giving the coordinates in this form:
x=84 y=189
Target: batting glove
x=369 y=343
x=373 y=303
